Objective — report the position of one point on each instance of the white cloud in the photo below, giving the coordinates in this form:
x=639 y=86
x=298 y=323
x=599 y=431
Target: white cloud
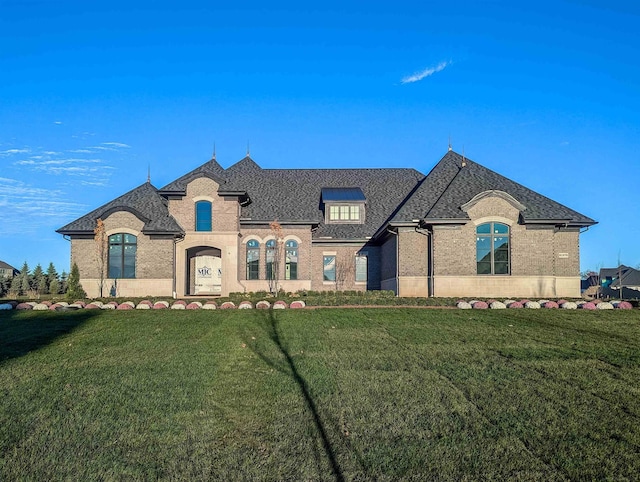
x=93 y=170
x=110 y=146
x=57 y=123
x=26 y=208
x=12 y=152
x=116 y=144
x=425 y=73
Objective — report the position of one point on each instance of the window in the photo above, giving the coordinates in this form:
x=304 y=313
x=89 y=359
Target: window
x=361 y=268
x=203 y=216
x=344 y=213
x=253 y=259
x=492 y=248
x=122 y=256
x=329 y=268
x=291 y=260
x=270 y=258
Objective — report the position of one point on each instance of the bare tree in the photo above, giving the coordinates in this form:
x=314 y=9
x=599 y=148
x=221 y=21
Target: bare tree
x=101 y=251
x=345 y=271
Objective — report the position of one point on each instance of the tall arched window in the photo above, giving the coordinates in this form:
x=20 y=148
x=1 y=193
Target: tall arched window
x=291 y=260
x=492 y=248
x=253 y=259
x=122 y=255
x=270 y=259
x=203 y=216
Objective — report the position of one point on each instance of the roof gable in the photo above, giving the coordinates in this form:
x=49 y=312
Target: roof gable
x=455 y=181
x=210 y=169
x=143 y=201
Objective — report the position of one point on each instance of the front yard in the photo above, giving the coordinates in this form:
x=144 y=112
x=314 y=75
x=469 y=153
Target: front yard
x=325 y=394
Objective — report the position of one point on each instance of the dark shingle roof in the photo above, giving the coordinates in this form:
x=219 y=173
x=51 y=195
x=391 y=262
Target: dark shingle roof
x=209 y=169
x=143 y=201
x=448 y=186
x=294 y=195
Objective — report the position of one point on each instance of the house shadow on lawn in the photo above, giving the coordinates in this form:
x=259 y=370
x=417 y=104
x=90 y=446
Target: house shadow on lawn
x=21 y=333
x=270 y=325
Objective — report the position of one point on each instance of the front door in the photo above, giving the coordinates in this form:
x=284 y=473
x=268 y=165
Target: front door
x=208 y=275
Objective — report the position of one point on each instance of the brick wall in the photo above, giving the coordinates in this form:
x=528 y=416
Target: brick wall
x=345 y=266
x=154 y=257
x=413 y=252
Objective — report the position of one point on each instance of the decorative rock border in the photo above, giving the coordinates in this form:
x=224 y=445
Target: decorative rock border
x=298 y=303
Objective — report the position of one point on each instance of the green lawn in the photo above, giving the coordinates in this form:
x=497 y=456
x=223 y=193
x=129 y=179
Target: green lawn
x=326 y=394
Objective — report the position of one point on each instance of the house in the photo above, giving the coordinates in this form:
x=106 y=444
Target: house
x=461 y=230
x=7 y=271
x=613 y=280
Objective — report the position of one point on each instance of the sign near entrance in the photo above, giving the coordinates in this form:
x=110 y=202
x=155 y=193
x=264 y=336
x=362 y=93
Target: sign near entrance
x=208 y=275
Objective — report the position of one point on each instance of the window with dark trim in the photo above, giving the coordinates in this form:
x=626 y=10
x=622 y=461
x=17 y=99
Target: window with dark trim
x=492 y=248
x=291 y=260
x=361 y=268
x=203 y=216
x=122 y=255
x=329 y=268
x=270 y=259
x=253 y=259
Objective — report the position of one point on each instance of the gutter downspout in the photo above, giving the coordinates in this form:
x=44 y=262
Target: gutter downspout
x=397 y=260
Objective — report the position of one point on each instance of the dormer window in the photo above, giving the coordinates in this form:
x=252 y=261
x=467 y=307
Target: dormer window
x=343 y=205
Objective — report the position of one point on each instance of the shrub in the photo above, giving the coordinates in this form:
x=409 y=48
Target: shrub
x=74 y=288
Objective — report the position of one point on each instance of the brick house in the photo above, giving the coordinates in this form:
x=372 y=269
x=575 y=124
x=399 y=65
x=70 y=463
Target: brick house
x=461 y=230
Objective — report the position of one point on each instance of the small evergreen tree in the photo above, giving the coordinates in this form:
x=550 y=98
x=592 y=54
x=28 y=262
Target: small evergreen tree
x=16 y=283
x=39 y=281
x=4 y=285
x=25 y=282
x=52 y=274
x=74 y=288
x=63 y=282
x=54 y=287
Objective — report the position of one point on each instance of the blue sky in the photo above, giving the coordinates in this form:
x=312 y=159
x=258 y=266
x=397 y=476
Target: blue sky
x=93 y=94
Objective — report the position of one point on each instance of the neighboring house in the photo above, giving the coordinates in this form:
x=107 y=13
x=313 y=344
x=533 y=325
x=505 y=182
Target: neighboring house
x=612 y=279
x=461 y=230
x=7 y=271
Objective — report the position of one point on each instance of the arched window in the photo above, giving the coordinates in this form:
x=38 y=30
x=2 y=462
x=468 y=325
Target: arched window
x=203 y=216
x=270 y=259
x=492 y=248
x=253 y=259
x=122 y=255
x=291 y=260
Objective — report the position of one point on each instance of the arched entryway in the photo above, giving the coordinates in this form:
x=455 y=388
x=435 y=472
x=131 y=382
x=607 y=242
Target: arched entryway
x=204 y=271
